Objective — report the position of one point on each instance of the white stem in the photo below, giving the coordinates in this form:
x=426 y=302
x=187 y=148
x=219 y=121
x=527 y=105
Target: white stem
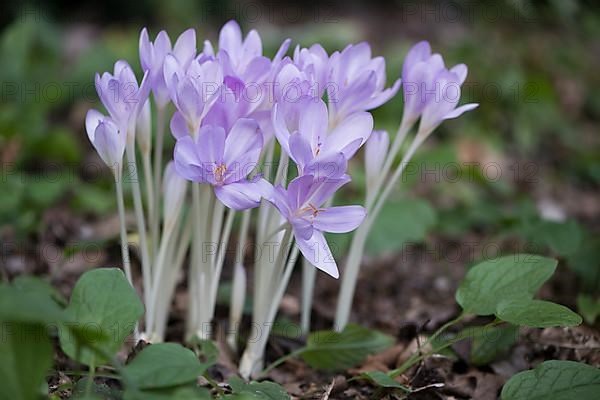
x=309 y=275
x=359 y=239
x=238 y=285
x=124 y=242
x=139 y=215
x=158 y=150
x=252 y=360
x=150 y=199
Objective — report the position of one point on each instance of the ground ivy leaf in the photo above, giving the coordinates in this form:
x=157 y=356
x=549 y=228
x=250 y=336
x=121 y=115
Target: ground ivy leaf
x=104 y=300
x=175 y=393
x=381 y=379
x=26 y=357
x=258 y=390
x=554 y=380
x=511 y=277
x=332 y=350
x=164 y=365
x=489 y=343
x=537 y=314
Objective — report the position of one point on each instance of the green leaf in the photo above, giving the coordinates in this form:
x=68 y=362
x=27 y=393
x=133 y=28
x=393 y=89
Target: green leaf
x=588 y=307
x=258 y=390
x=562 y=238
x=381 y=379
x=164 y=365
x=489 y=343
x=104 y=300
x=407 y=220
x=537 y=314
x=176 y=393
x=28 y=283
x=26 y=357
x=554 y=380
x=511 y=277
x=332 y=350
x=29 y=306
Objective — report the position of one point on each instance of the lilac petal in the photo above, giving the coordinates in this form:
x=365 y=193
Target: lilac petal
x=178 y=126
x=279 y=198
x=418 y=53
x=109 y=143
x=186 y=160
x=92 y=119
x=185 y=47
x=461 y=110
x=300 y=150
x=340 y=219
x=317 y=252
x=356 y=126
x=281 y=52
x=384 y=96
x=376 y=150
x=331 y=165
x=239 y=195
x=252 y=45
x=313 y=123
x=243 y=144
x=352 y=97
x=323 y=188
x=461 y=70
x=162 y=45
x=230 y=38
x=303 y=228
x=146 y=50
x=210 y=145
x=280 y=128
x=298 y=190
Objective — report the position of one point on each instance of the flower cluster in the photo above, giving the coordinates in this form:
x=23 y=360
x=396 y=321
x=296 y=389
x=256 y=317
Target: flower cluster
x=235 y=111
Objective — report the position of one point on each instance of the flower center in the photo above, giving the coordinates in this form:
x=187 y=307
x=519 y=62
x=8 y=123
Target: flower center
x=219 y=172
x=312 y=210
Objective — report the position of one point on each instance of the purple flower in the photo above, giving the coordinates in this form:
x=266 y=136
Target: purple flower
x=121 y=95
x=106 y=137
x=152 y=58
x=357 y=81
x=225 y=161
x=301 y=205
x=193 y=89
x=302 y=131
x=314 y=63
x=431 y=91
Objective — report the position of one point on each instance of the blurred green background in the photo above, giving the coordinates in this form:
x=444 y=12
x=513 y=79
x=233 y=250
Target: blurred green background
x=521 y=172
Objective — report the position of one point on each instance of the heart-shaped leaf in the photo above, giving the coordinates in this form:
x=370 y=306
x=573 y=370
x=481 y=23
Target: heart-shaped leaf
x=103 y=300
x=257 y=390
x=332 y=350
x=554 y=380
x=537 y=314
x=491 y=342
x=507 y=278
x=164 y=365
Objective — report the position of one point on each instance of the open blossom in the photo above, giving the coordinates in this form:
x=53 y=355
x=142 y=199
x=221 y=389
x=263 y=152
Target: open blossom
x=301 y=205
x=431 y=91
x=121 y=95
x=302 y=130
x=224 y=160
x=106 y=137
x=152 y=58
x=357 y=82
